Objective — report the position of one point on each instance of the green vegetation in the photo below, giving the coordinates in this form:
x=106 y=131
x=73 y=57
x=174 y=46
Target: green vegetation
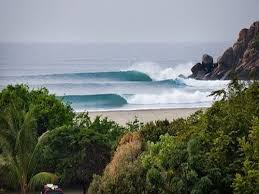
x=216 y=151
x=48 y=111
x=39 y=133
x=123 y=174
x=19 y=143
x=77 y=152
x=210 y=152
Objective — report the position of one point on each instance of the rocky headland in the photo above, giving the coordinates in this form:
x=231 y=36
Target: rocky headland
x=240 y=61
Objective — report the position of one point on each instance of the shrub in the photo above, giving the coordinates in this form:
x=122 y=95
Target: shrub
x=49 y=112
x=75 y=154
x=123 y=174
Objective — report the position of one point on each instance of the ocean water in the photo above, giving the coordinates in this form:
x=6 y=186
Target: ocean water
x=112 y=76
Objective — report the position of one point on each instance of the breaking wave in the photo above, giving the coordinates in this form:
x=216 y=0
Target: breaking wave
x=117 y=101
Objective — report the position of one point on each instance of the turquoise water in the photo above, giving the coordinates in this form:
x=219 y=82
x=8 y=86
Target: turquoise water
x=112 y=76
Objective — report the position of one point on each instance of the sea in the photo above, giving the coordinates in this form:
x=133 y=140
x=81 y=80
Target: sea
x=112 y=76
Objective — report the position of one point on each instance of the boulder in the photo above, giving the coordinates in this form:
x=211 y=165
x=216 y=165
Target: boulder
x=196 y=68
x=207 y=59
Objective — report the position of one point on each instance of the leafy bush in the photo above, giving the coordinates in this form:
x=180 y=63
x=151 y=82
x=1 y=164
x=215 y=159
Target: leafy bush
x=247 y=180
x=49 y=112
x=78 y=151
x=123 y=174
x=75 y=154
x=110 y=129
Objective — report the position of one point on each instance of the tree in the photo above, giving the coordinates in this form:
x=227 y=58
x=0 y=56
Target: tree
x=75 y=154
x=123 y=174
x=247 y=181
x=20 y=143
x=49 y=112
x=110 y=129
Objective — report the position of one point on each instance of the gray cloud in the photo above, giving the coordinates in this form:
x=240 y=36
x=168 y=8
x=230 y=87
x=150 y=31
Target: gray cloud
x=125 y=20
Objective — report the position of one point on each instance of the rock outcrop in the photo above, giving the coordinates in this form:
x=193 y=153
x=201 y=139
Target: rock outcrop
x=241 y=60
x=201 y=69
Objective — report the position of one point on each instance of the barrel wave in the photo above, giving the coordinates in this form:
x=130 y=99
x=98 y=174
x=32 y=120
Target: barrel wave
x=93 y=101
x=101 y=76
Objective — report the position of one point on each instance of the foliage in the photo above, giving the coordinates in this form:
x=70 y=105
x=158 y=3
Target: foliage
x=209 y=152
x=78 y=151
x=123 y=174
x=215 y=151
x=134 y=125
x=247 y=181
x=48 y=111
x=75 y=147
x=20 y=143
x=110 y=129
x=152 y=130
x=75 y=154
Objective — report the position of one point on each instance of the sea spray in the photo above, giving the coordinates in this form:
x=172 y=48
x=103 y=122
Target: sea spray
x=156 y=72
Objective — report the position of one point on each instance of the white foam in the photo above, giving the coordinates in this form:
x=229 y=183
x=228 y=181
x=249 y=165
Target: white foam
x=207 y=84
x=156 y=72
x=173 y=97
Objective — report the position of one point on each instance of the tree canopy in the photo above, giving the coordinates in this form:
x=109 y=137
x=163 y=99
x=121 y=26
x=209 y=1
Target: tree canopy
x=49 y=111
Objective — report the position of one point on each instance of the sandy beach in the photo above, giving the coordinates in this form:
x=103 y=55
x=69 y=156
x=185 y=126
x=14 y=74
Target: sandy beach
x=122 y=117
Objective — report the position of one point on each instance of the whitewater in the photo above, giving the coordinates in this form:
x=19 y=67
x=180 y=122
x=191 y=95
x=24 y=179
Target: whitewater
x=109 y=83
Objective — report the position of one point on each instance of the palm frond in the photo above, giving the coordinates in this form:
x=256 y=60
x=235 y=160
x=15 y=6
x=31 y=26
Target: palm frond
x=219 y=93
x=6 y=140
x=33 y=159
x=26 y=141
x=42 y=178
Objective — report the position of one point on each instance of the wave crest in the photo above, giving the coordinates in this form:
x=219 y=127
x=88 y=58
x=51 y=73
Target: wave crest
x=156 y=72
x=174 y=97
x=98 y=100
x=116 y=76
x=116 y=100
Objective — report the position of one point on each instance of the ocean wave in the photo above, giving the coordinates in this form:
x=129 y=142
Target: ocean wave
x=173 y=97
x=82 y=77
x=117 y=100
x=97 y=100
x=207 y=84
x=156 y=72
x=171 y=82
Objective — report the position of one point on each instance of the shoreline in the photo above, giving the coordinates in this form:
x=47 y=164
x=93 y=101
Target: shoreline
x=145 y=115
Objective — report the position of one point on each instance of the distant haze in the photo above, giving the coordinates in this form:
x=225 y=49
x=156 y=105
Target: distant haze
x=125 y=20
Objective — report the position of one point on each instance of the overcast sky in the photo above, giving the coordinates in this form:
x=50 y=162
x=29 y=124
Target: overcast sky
x=125 y=20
